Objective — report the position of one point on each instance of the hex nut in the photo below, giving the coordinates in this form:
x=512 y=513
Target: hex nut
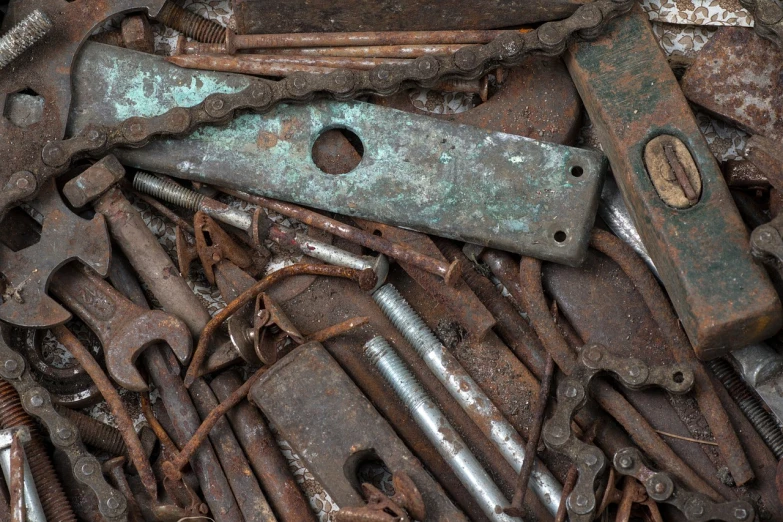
x=137 y=34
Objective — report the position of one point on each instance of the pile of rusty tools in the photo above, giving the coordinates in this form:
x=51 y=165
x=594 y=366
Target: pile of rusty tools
x=373 y=262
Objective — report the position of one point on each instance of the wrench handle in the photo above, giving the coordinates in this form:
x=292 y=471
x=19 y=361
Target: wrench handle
x=94 y=300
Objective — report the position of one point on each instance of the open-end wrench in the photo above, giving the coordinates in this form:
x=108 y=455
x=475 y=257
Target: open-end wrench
x=123 y=328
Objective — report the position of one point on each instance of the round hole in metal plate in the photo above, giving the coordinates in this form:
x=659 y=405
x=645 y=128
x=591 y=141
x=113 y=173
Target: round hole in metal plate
x=337 y=150
x=577 y=171
x=560 y=236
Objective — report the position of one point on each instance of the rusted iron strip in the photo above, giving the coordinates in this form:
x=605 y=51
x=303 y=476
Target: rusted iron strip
x=124 y=423
x=710 y=405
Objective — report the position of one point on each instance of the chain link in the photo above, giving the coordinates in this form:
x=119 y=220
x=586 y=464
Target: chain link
x=768 y=19
x=507 y=50
x=572 y=395
x=661 y=487
x=64 y=435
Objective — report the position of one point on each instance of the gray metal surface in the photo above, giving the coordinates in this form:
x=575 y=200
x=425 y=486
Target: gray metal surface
x=450 y=180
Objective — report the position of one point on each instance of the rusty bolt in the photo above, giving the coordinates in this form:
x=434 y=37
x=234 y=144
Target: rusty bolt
x=137 y=34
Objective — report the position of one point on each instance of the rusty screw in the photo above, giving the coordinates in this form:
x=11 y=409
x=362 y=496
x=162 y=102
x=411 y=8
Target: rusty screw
x=190 y=24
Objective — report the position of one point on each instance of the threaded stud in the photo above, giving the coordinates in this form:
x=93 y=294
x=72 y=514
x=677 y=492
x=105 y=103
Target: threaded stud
x=406 y=320
x=167 y=191
x=750 y=405
x=23 y=35
x=382 y=356
x=191 y=24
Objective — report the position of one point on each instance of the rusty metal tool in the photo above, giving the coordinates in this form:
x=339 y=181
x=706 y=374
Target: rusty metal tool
x=733 y=77
x=163 y=367
x=24 y=495
x=355 y=434
x=46 y=70
x=114 y=469
x=572 y=395
x=123 y=328
x=264 y=454
x=278 y=65
x=547 y=215
x=133 y=445
x=64 y=237
x=674 y=189
x=662 y=488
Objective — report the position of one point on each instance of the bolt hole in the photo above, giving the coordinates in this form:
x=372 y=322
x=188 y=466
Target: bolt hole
x=678 y=377
x=337 y=151
x=377 y=233
x=560 y=236
x=577 y=171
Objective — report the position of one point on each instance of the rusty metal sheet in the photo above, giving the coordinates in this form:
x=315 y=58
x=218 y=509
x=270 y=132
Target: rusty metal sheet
x=450 y=180
x=295 y=393
x=257 y=16
x=723 y=298
x=737 y=77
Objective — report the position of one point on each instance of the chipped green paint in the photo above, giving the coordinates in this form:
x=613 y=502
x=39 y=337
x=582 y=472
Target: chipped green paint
x=422 y=173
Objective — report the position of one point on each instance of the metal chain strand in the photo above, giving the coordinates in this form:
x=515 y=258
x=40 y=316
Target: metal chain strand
x=472 y=62
x=572 y=395
x=661 y=487
x=37 y=402
x=767 y=18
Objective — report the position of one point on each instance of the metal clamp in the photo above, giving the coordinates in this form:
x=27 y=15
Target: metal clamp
x=572 y=395
x=662 y=488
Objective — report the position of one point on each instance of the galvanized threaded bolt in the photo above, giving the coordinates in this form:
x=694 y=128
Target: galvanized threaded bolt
x=438 y=429
x=750 y=405
x=167 y=191
x=466 y=392
x=170 y=192
x=23 y=35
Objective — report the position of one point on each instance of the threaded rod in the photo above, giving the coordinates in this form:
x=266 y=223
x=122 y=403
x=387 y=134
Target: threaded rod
x=438 y=430
x=750 y=405
x=23 y=35
x=191 y=24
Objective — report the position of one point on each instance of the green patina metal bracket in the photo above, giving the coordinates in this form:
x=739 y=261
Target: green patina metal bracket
x=438 y=177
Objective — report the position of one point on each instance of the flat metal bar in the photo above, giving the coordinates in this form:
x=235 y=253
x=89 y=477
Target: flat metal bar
x=417 y=172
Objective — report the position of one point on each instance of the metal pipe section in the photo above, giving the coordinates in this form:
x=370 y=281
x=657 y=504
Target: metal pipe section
x=466 y=392
x=32 y=503
x=438 y=430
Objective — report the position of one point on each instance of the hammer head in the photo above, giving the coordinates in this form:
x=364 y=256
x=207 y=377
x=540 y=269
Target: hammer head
x=153 y=326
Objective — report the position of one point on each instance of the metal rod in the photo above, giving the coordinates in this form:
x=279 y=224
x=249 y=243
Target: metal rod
x=466 y=392
x=532 y=442
x=449 y=272
x=266 y=41
x=16 y=479
x=173 y=467
x=125 y=424
x=438 y=429
x=24 y=491
x=264 y=454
